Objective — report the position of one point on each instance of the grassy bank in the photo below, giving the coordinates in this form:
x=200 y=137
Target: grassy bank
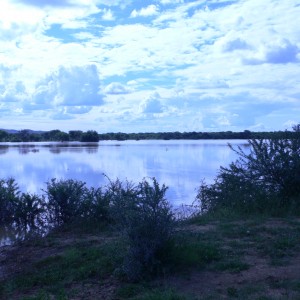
x=257 y=258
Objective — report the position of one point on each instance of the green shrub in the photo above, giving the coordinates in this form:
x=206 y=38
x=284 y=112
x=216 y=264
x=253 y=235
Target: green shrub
x=96 y=205
x=147 y=222
x=29 y=212
x=9 y=193
x=123 y=201
x=267 y=179
x=65 y=200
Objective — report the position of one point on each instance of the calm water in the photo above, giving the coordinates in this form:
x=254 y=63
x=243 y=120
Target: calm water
x=181 y=165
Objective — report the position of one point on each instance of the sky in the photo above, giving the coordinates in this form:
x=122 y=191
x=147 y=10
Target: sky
x=149 y=65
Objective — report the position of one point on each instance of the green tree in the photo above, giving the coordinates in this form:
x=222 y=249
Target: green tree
x=90 y=136
x=75 y=135
x=3 y=136
x=24 y=135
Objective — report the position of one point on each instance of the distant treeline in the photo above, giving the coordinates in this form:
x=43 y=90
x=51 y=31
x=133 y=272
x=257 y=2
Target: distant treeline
x=92 y=136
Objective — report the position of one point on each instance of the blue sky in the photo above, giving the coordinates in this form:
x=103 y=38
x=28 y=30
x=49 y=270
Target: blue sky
x=149 y=66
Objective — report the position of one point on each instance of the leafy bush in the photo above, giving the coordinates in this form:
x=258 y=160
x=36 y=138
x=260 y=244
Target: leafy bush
x=30 y=212
x=96 y=205
x=265 y=179
x=9 y=193
x=65 y=200
x=147 y=222
x=123 y=201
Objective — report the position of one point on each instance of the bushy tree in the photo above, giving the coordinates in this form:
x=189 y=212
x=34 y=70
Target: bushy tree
x=265 y=178
x=90 y=136
x=75 y=135
x=3 y=136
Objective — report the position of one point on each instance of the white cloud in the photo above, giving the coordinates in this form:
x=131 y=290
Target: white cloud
x=74 y=86
x=214 y=57
x=171 y=1
x=78 y=109
x=61 y=115
x=117 y=88
x=148 y=11
x=231 y=43
x=108 y=15
x=43 y=3
x=121 y=3
x=290 y=124
x=152 y=104
x=279 y=52
x=13 y=92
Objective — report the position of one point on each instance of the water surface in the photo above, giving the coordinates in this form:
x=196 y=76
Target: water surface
x=181 y=165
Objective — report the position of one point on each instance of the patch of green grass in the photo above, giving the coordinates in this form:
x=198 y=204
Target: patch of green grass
x=232 y=292
x=233 y=265
x=249 y=291
x=74 y=264
x=43 y=295
x=278 y=244
x=162 y=295
x=130 y=290
x=189 y=251
x=292 y=285
x=219 y=216
x=234 y=230
x=239 y=245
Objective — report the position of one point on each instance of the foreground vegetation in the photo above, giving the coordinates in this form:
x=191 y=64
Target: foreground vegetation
x=207 y=259
x=123 y=240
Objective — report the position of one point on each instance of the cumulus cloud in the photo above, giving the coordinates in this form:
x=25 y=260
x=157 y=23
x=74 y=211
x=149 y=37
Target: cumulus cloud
x=78 y=109
x=290 y=124
x=61 y=115
x=279 y=52
x=148 y=11
x=213 y=53
x=234 y=44
x=13 y=92
x=43 y=3
x=108 y=15
x=171 y=1
x=121 y=3
x=152 y=104
x=116 y=88
x=209 y=83
x=73 y=86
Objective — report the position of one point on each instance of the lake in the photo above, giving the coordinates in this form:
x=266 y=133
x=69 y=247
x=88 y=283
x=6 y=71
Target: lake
x=180 y=164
